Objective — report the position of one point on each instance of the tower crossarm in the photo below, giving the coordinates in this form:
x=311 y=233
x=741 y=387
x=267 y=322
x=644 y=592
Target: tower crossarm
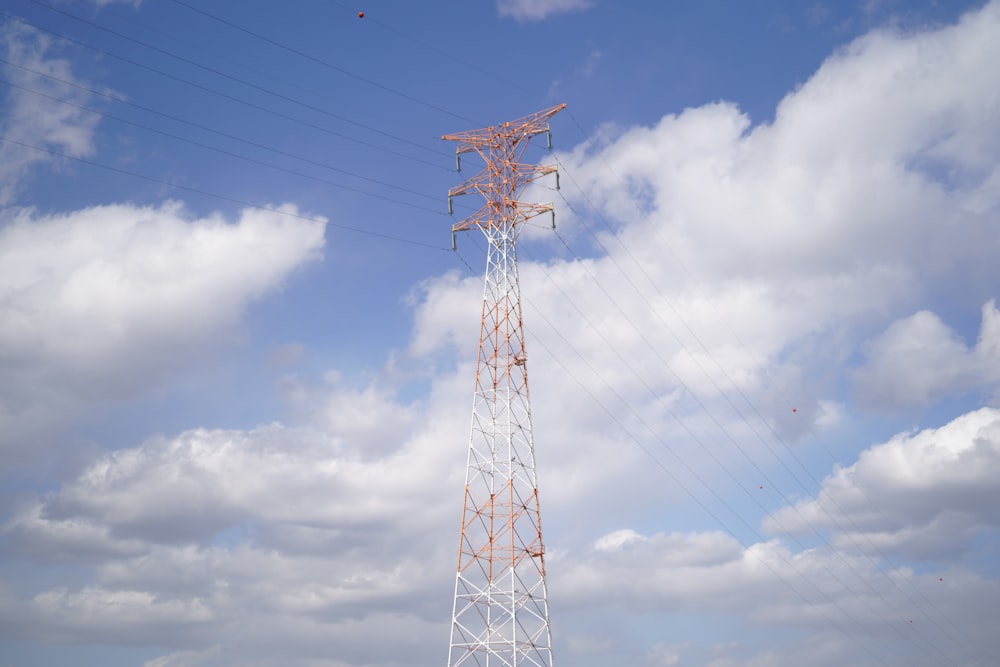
x=505 y=175
x=520 y=129
x=485 y=215
x=486 y=180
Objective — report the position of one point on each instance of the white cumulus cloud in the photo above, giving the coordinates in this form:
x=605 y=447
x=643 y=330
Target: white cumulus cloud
x=865 y=201
x=919 y=359
x=536 y=10
x=103 y=301
x=923 y=495
x=31 y=122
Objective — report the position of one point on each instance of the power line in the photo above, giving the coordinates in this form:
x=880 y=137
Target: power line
x=244 y=157
x=657 y=397
x=206 y=193
x=244 y=82
x=273 y=42
x=780 y=460
x=778 y=438
x=447 y=54
x=680 y=483
x=320 y=61
x=218 y=93
x=628 y=406
x=707 y=411
x=789 y=503
x=194 y=9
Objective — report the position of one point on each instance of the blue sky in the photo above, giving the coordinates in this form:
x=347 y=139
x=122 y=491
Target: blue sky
x=236 y=349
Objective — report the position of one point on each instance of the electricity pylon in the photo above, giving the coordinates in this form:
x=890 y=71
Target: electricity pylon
x=501 y=613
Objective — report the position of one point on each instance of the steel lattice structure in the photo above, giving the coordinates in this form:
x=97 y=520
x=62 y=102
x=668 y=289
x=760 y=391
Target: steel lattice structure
x=501 y=615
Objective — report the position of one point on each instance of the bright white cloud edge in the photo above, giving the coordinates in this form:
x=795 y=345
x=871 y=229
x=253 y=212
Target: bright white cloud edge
x=537 y=10
x=102 y=302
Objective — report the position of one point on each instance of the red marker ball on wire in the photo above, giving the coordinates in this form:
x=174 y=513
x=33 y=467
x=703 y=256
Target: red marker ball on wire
x=361 y=15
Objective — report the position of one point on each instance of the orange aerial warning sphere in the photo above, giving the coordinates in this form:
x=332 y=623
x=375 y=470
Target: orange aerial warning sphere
x=361 y=15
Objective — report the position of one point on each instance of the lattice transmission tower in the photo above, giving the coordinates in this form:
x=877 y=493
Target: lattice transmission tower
x=501 y=613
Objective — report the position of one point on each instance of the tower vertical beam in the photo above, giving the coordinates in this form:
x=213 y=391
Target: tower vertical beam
x=501 y=616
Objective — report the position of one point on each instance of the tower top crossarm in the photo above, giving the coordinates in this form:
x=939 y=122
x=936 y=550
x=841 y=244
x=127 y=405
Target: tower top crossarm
x=501 y=147
x=522 y=128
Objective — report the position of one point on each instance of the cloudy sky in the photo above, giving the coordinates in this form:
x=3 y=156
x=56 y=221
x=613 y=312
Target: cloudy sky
x=237 y=350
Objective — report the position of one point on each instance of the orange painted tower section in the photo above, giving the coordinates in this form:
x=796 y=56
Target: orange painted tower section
x=501 y=615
